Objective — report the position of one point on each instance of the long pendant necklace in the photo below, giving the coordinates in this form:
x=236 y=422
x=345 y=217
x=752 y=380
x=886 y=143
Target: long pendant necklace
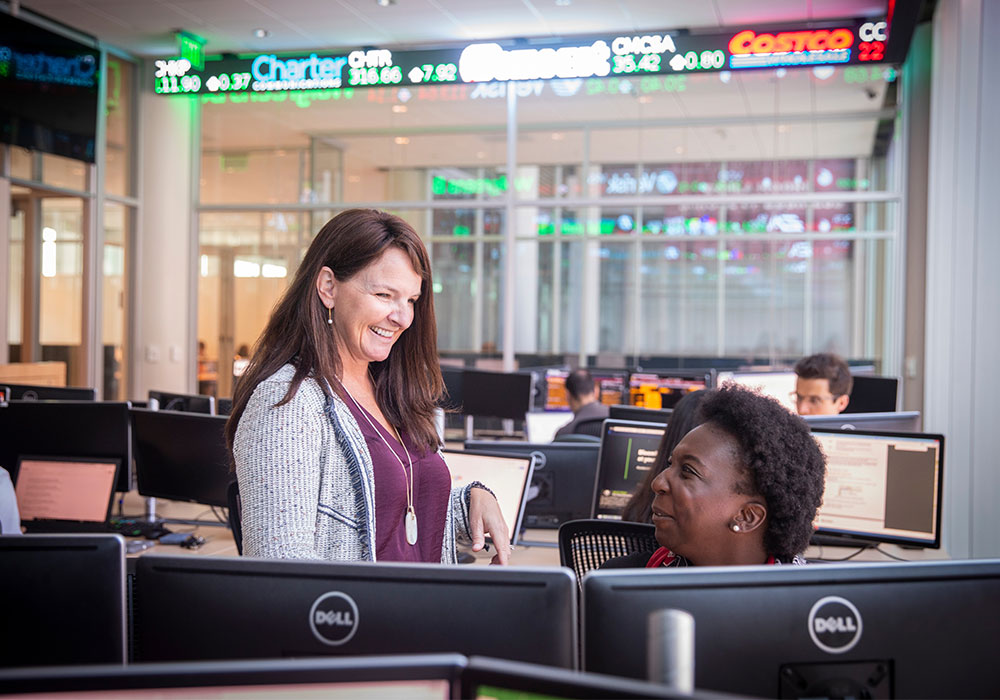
x=410 y=519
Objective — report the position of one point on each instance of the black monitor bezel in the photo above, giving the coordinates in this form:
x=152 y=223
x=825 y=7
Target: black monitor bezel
x=51 y=393
x=605 y=428
x=171 y=396
x=515 y=535
x=834 y=537
x=513 y=415
x=59 y=458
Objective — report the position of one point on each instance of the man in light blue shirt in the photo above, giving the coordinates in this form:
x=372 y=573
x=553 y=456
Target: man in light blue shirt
x=10 y=519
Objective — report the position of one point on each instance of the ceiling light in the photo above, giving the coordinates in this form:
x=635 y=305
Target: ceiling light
x=679 y=150
x=563 y=3
x=558 y=136
x=400 y=109
x=402 y=140
x=385 y=3
x=645 y=100
x=260 y=33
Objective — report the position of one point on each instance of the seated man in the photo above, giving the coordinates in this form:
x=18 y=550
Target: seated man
x=823 y=385
x=583 y=395
x=10 y=519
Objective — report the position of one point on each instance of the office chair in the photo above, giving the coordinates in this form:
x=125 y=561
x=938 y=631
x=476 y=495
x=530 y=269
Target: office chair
x=235 y=507
x=590 y=427
x=586 y=544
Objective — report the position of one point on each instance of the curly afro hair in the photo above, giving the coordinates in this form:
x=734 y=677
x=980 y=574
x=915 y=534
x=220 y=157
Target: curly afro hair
x=780 y=460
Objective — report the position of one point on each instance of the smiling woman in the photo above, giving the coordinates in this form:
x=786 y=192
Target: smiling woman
x=332 y=431
x=741 y=488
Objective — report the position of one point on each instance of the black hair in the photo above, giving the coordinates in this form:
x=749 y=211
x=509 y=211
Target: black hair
x=579 y=383
x=683 y=420
x=826 y=365
x=780 y=460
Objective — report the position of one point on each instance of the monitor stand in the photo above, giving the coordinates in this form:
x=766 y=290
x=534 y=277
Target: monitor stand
x=150 y=517
x=837 y=541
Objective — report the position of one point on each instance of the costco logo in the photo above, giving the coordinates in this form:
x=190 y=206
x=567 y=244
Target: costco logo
x=834 y=624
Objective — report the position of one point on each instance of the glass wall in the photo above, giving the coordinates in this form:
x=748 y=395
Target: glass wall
x=689 y=216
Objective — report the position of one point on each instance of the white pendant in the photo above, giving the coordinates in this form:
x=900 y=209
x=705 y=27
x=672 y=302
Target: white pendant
x=411 y=526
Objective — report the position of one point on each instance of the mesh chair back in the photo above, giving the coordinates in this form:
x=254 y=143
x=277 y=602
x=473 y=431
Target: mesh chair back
x=586 y=544
x=235 y=506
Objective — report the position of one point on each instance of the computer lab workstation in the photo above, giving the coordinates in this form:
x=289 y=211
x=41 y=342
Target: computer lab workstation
x=195 y=614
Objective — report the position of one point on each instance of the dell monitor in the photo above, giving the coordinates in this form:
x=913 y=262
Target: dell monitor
x=64 y=599
x=913 y=630
x=181 y=456
x=779 y=385
x=187 y=608
x=507 y=476
x=627 y=453
x=896 y=421
x=30 y=392
x=87 y=429
x=640 y=414
x=496 y=394
x=872 y=394
x=191 y=403
x=881 y=487
x=665 y=388
x=563 y=479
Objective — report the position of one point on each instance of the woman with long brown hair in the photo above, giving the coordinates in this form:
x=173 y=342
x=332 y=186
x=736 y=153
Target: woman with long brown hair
x=332 y=430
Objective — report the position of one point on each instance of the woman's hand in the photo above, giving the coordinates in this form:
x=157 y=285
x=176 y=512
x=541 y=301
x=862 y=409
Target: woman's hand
x=485 y=517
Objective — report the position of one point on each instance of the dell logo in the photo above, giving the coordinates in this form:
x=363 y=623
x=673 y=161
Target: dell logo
x=333 y=618
x=834 y=624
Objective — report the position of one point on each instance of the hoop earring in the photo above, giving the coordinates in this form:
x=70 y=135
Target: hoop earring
x=329 y=316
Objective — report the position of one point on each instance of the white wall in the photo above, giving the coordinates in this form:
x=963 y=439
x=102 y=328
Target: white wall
x=164 y=346
x=963 y=291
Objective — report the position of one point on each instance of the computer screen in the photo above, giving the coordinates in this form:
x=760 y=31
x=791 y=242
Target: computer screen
x=881 y=487
x=610 y=385
x=508 y=477
x=628 y=450
x=89 y=429
x=872 y=394
x=778 y=385
x=418 y=676
x=640 y=414
x=191 y=403
x=64 y=600
x=62 y=492
x=665 y=388
x=181 y=456
x=496 y=394
x=31 y=392
x=230 y=608
x=897 y=421
x=542 y=426
x=452 y=377
x=903 y=630
x=223 y=407
x=562 y=481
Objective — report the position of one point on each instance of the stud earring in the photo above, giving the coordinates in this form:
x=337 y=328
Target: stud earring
x=329 y=315
x=736 y=528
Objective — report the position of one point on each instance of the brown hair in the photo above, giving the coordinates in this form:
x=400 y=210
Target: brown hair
x=826 y=365
x=408 y=383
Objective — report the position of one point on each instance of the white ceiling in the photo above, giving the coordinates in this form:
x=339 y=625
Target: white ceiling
x=146 y=27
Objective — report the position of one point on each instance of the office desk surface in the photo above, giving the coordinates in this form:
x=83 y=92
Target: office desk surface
x=536 y=548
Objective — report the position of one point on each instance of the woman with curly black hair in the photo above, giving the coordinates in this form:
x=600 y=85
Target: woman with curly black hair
x=741 y=488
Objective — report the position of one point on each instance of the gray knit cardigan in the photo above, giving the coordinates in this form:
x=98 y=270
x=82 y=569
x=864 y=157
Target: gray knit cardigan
x=306 y=478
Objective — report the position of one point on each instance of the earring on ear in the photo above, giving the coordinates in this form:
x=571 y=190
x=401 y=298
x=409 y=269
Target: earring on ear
x=736 y=528
x=329 y=315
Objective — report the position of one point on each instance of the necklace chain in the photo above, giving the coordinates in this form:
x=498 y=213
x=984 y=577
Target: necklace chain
x=410 y=512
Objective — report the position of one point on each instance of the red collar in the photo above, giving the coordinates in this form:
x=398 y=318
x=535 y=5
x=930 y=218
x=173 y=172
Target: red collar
x=664 y=557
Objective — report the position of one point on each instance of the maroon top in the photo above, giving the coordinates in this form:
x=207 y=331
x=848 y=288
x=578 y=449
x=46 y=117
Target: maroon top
x=431 y=493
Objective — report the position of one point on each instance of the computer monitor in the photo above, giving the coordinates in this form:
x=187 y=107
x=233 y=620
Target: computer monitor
x=496 y=394
x=64 y=600
x=881 y=487
x=640 y=414
x=913 y=630
x=779 y=385
x=609 y=383
x=507 y=476
x=898 y=421
x=4 y=394
x=65 y=494
x=191 y=403
x=237 y=608
x=563 y=478
x=663 y=389
x=31 y=392
x=89 y=429
x=628 y=450
x=223 y=407
x=452 y=377
x=419 y=676
x=181 y=456
x=542 y=426
x=872 y=394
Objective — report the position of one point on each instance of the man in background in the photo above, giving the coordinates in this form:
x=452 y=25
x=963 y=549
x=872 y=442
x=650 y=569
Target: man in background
x=822 y=385
x=583 y=396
